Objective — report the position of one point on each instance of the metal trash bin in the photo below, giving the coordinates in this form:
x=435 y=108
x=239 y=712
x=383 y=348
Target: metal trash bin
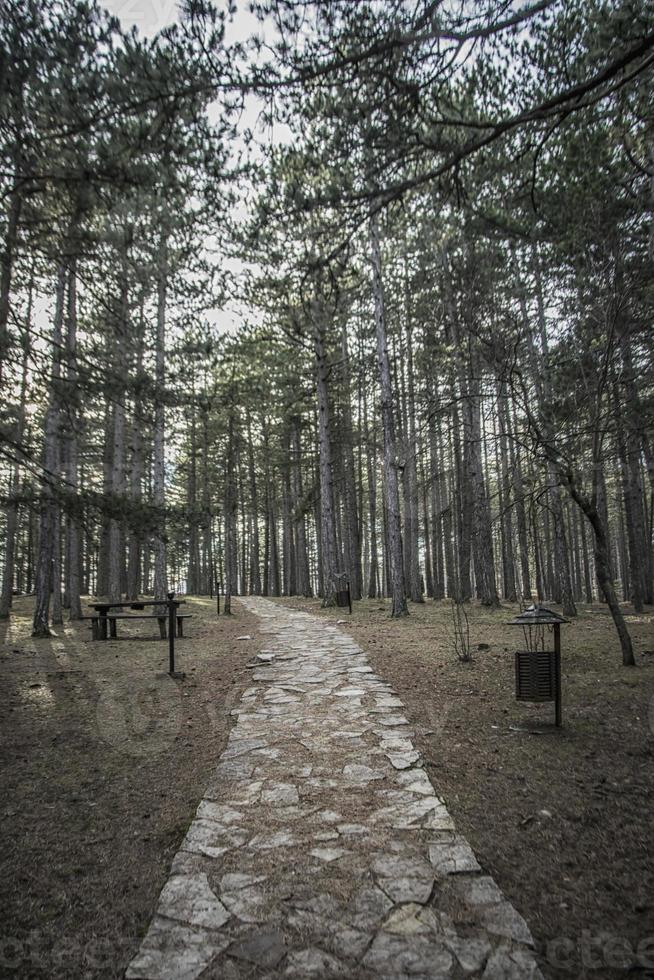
x=343 y=594
x=535 y=675
x=538 y=671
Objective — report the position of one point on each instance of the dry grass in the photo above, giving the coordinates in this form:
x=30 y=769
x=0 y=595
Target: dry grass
x=104 y=761
x=587 y=868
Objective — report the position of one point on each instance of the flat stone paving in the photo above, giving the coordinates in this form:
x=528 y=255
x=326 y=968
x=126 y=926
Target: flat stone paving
x=321 y=848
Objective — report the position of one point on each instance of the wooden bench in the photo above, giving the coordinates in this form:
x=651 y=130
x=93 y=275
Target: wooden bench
x=95 y=625
x=112 y=617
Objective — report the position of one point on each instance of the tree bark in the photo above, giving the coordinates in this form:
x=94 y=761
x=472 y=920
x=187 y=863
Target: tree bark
x=6 y=268
x=328 y=551
x=73 y=535
x=12 y=507
x=631 y=440
x=509 y=582
x=288 y=530
x=391 y=490
x=208 y=571
x=57 y=604
x=120 y=337
x=412 y=531
x=373 y=589
x=603 y=570
x=255 y=569
x=231 y=505
x=102 y=584
x=540 y=372
x=484 y=562
x=158 y=481
x=352 y=538
x=519 y=499
x=45 y=555
x=193 y=575
x=429 y=577
x=135 y=540
x=302 y=555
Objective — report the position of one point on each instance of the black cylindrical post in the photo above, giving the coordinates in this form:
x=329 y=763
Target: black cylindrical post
x=557 y=674
x=349 y=596
x=171 y=632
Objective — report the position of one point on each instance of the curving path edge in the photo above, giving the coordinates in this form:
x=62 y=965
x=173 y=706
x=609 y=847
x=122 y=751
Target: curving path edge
x=321 y=848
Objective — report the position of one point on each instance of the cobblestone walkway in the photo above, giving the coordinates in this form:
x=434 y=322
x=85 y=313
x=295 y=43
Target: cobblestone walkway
x=321 y=848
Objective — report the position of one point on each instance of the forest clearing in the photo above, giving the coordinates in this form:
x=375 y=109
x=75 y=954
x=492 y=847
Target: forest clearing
x=325 y=354
x=128 y=754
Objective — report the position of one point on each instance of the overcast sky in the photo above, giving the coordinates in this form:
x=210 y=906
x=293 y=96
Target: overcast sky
x=151 y=16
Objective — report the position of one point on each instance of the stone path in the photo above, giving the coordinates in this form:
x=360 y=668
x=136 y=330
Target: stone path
x=321 y=848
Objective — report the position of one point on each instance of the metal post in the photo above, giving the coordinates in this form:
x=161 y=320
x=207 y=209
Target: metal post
x=557 y=674
x=171 y=633
x=349 y=596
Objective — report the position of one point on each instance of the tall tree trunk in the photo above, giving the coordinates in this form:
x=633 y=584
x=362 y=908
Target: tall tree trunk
x=266 y=486
x=57 y=605
x=243 y=584
x=158 y=481
x=391 y=490
x=328 y=550
x=561 y=548
x=288 y=536
x=116 y=524
x=590 y=506
x=628 y=415
x=255 y=561
x=540 y=372
x=588 y=588
x=574 y=519
x=519 y=498
x=484 y=563
x=603 y=568
x=274 y=579
x=14 y=486
x=411 y=474
x=429 y=578
x=208 y=581
x=371 y=454
x=135 y=541
x=318 y=526
x=73 y=535
x=6 y=268
x=45 y=556
x=449 y=496
x=302 y=555
x=464 y=503
x=510 y=591
x=193 y=577
x=102 y=584
x=31 y=563
x=441 y=545
x=231 y=506
x=352 y=538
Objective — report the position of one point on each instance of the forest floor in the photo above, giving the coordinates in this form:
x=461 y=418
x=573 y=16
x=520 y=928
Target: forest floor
x=562 y=819
x=104 y=760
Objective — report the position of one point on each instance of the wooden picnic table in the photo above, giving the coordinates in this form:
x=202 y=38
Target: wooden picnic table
x=102 y=617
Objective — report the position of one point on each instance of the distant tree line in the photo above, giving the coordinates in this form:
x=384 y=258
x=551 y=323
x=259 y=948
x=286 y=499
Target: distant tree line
x=443 y=385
